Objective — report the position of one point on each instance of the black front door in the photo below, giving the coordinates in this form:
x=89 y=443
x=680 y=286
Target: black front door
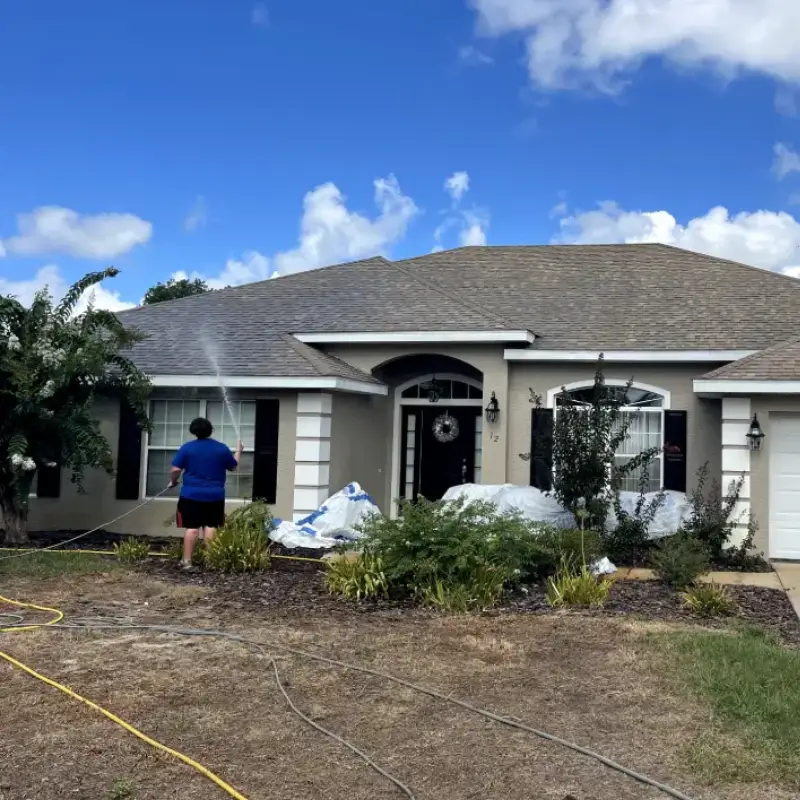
x=440 y=458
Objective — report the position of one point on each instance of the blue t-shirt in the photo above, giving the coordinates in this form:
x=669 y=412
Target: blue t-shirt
x=204 y=463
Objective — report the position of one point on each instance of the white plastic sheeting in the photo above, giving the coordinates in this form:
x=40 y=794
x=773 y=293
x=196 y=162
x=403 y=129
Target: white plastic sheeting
x=333 y=523
x=539 y=506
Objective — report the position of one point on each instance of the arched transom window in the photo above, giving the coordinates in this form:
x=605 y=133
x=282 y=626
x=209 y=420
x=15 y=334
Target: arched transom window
x=643 y=407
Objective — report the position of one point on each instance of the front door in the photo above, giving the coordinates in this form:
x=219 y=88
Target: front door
x=439 y=450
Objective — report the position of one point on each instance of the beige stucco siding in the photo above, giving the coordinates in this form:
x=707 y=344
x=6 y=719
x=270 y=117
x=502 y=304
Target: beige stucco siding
x=72 y=511
x=703 y=416
x=361 y=444
x=488 y=359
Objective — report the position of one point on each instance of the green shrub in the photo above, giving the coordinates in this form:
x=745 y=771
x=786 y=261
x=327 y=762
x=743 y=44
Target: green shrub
x=628 y=543
x=132 y=550
x=482 y=592
x=569 y=544
x=175 y=549
x=241 y=544
x=709 y=600
x=573 y=587
x=680 y=559
x=451 y=543
x=712 y=522
x=121 y=789
x=356 y=576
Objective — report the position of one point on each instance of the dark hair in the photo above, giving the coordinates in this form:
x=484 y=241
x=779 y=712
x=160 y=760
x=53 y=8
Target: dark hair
x=201 y=428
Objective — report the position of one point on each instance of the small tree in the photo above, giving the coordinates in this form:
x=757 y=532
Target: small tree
x=586 y=437
x=174 y=289
x=53 y=366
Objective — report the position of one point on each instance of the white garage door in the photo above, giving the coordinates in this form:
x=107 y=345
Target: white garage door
x=784 y=494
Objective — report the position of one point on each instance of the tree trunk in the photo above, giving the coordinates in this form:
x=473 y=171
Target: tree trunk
x=15 y=520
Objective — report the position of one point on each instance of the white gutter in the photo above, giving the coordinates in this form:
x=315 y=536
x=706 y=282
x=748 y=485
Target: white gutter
x=712 y=386
x=662 y=356
x=261 y=382
x=418 y=337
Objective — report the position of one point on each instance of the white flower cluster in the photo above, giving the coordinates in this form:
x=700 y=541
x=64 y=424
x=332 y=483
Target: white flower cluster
x=48 y=390
x=12 y=343
x=51 y=356
x=21 y=462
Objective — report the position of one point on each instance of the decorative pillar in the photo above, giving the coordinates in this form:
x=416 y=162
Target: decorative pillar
x=312 y=453
x=736 y=418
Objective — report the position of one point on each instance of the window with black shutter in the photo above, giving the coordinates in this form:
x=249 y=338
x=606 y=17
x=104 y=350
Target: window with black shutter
x=541 y=460
x=675 y=450
x=265 y=457
x=129 y=453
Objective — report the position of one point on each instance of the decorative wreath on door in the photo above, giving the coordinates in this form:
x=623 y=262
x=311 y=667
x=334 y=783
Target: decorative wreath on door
x=445 y=428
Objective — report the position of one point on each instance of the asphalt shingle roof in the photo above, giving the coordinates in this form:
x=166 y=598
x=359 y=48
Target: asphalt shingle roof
x=632 y=296
x=598 y=297
x=778 y=363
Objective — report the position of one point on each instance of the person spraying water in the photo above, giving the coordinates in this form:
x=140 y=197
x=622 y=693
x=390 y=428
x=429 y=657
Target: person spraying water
x=203 y=463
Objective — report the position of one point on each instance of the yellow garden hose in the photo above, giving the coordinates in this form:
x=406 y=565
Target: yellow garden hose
x=59 y=615
x=152 y=553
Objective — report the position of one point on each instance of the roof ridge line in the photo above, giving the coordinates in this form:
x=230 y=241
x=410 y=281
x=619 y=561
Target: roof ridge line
x=430 y=284
x=300 y=349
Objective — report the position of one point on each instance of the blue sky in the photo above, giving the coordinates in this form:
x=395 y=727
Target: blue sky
x=232 y=139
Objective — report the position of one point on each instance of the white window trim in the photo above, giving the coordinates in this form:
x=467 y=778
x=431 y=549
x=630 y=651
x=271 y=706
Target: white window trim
x=147 y=447
x=397 y=426
x=552 y=394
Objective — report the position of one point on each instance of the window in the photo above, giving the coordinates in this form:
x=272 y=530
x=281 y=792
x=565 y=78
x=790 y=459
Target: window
x=171 y=420
x=445 y=389
x=644 y=410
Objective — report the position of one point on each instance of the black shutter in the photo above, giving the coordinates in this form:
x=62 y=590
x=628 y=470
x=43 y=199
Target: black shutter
x=48 y=482
x=265 y=458
x=542 y=448
x=675 y=450
x=129 y=454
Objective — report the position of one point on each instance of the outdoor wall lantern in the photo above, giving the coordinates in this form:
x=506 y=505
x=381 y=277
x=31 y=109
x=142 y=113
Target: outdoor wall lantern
x=755 y=436
x=493 y=409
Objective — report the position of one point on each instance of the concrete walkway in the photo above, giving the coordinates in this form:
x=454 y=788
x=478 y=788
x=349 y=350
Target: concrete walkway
x=766 y=580
x=789 y=576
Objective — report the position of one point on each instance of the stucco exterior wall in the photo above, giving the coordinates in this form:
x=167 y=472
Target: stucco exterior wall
x=488 y=359
x=703 y=416
x=361 y=444
x=72 y=511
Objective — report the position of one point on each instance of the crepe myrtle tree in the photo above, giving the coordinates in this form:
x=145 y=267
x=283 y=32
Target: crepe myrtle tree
x=54 y=364
x=586 y=436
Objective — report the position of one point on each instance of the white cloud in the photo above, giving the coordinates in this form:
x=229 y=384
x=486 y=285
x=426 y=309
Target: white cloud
x=787 y=101
x=786 y=161
x=51 y=229
x=473 y=234
x=471 y=224
x=198 y=216
x=767 y=239
x=472 y=56
x=251 y=267
x=596 y=42
x=330 y=233
x=457 y=185
x=260 y=15
x=51 y=277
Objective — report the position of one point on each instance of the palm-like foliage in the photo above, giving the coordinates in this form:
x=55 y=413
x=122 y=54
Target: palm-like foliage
x=54 y=365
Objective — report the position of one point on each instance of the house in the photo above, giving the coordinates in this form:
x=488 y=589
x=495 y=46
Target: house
x=411 y=376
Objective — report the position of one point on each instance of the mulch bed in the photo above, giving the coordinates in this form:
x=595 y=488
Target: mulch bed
x=296 y=588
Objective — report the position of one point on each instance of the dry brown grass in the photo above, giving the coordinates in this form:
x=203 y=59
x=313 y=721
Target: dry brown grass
x=587 y=680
